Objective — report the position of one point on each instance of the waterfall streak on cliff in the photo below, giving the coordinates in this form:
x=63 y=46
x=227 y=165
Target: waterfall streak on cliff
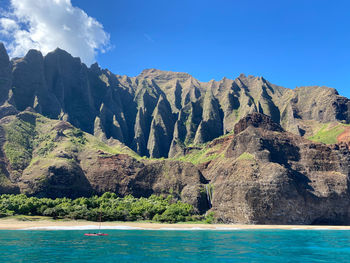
x=208 y=191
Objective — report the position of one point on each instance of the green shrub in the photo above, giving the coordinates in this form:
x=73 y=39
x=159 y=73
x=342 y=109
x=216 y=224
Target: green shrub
x=77 y=136
x=46 y=148
x=209 y=218
x=108 y=206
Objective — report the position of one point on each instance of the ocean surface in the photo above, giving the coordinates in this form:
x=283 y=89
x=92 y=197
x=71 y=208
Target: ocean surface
x=176 y=246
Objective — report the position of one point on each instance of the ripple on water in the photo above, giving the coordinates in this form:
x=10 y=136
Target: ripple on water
x=176 y=246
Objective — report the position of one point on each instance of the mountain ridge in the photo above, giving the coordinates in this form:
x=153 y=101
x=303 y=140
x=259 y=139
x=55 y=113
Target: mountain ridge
x=267 y=154
x=127 y=108
x=260 y=174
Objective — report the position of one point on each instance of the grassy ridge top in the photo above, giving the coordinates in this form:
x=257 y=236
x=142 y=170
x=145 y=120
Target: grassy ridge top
x=328 y=133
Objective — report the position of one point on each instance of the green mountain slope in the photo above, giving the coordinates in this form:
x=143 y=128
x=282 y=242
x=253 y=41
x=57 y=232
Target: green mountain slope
x=245 y=149
x=156 y=112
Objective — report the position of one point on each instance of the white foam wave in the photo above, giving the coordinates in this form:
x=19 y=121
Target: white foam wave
x=86 y=227
x=228 y=228
x=183 y=228
x=325 y=228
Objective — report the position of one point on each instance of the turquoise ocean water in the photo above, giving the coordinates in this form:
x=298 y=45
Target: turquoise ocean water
x=176 y=246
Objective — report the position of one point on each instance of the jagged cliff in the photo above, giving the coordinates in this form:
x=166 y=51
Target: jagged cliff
x=260 y=174
x=156 y=113
x=246 y=149
x=52 y=158
x=270 y=176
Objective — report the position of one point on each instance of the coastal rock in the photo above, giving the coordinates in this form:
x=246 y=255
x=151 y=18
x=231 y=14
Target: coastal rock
x=182 y=180
x=109 y=173
x=61 y=178
x=257 y=120
x=276 y=177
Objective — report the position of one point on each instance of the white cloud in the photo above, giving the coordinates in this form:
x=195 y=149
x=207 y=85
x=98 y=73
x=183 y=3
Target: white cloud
x=8 y=25
x=48 y=24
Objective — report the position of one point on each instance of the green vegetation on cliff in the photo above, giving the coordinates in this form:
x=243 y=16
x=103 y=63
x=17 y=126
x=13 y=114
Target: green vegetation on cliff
x=199 y=156
x=202 y=153
x=246 y=156
x=111 y=208
x=19 y=143
x=328 y=133
x=31 y=137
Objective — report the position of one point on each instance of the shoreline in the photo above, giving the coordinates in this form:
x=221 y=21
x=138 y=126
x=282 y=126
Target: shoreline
x=13 y=224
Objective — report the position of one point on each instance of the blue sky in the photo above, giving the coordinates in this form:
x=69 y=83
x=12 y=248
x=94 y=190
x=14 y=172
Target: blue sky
x=289 y=42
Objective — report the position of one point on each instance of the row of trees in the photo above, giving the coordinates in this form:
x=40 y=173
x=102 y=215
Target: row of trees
x=109 y=206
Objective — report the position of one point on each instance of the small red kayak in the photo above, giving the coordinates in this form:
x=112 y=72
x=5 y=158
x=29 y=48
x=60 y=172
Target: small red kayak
x=99 y=229
x=95 y=234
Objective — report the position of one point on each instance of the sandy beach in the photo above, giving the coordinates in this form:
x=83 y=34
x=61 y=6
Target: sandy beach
x=15 y=224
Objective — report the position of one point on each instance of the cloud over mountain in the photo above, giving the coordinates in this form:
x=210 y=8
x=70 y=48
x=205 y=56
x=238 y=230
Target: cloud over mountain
x=47 y=24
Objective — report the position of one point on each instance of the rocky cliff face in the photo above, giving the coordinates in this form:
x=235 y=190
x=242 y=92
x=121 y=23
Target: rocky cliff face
x=157 y=112
x=262 y=174
x=5 y=74
x=69 y=130
x=270 y=176
x=52 y=158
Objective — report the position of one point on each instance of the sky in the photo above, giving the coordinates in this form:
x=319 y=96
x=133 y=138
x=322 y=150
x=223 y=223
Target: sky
x=289 y=42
